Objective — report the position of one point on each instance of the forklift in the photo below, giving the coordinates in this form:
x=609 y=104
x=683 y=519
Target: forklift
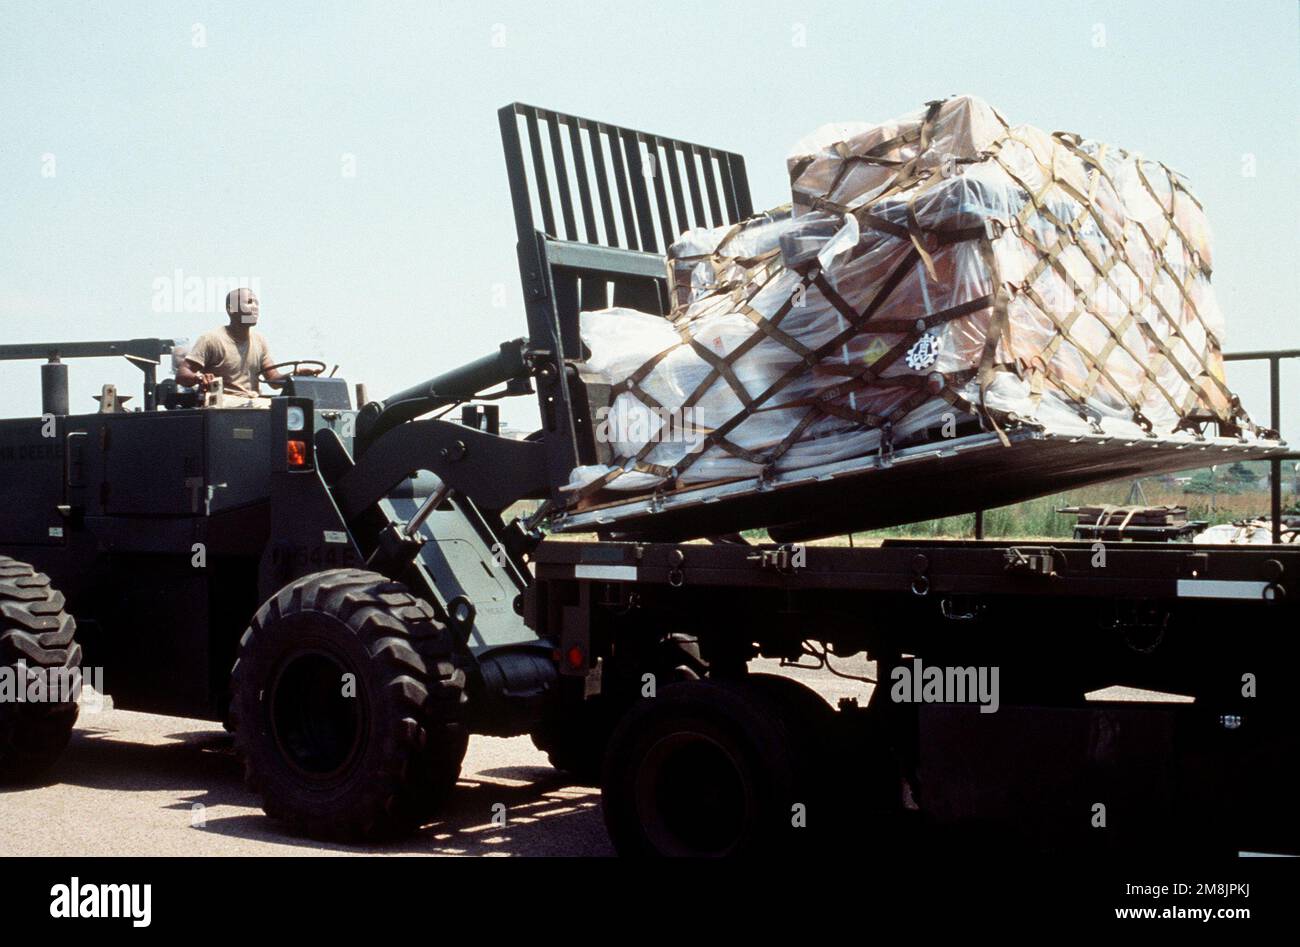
x=355 y=589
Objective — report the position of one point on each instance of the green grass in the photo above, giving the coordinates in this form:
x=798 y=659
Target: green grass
x=1038 y=518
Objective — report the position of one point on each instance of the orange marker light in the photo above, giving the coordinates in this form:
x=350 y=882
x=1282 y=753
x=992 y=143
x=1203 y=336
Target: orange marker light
x=296 y=452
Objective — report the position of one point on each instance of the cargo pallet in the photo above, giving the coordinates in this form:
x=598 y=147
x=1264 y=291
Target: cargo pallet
x=1059 y=619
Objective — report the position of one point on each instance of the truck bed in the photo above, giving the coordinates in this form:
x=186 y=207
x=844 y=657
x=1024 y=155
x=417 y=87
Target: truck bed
x=1267 y=575
x=1060 y=618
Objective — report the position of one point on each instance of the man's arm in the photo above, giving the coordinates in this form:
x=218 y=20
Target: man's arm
x=274 y=378
x=192 y=372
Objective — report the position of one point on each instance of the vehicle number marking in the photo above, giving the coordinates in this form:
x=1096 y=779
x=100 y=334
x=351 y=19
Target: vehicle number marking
x=609 y=573
x=1221 y=588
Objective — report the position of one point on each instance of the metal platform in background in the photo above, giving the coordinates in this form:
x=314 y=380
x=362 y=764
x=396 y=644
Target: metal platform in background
x=923 y=482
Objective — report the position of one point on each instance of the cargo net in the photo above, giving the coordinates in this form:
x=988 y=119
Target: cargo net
x=938 y=274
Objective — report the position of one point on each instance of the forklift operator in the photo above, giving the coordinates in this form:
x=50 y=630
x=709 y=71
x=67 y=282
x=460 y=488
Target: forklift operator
x=236 y=353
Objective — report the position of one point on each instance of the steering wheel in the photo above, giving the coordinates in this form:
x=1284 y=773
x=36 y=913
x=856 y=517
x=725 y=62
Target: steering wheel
x=296 y=363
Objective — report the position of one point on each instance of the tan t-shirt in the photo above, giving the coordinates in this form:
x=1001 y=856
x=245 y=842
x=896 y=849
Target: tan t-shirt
x=236 y=363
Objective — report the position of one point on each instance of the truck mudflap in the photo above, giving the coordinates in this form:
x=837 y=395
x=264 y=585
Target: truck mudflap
x=1108 y=775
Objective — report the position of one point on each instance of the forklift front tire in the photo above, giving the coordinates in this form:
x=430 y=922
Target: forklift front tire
x=346 y=705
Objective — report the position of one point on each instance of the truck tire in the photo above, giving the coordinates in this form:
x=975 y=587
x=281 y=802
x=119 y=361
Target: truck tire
x=574 y=733
x=36 y=631
x=709 y=768
x=840 y=771
x=574 y=739
x=805 y=709
x=365 y=756
x=810 y=720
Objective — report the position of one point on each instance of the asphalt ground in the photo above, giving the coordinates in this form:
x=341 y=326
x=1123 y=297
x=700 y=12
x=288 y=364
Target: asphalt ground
x=137 y=784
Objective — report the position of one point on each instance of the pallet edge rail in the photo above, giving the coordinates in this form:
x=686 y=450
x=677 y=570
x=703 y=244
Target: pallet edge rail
x=1274 y=359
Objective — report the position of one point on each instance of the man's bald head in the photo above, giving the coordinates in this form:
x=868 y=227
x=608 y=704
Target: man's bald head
x=242 y=307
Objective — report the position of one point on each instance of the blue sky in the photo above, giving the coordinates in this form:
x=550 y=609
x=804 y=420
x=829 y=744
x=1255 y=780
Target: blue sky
x=226 y=159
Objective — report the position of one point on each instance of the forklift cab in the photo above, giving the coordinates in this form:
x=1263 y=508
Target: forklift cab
x=328 y=394
x=326 y=391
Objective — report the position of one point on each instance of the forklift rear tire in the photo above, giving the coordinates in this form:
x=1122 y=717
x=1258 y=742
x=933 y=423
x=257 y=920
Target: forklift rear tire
x=708 y=768
x=347 y=707
x=36 y=632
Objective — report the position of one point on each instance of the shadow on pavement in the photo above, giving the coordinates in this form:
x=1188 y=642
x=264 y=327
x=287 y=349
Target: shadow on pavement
x=543 y=813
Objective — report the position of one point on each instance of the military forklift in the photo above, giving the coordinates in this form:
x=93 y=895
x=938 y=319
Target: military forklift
x=212 y=574
x=355 y=589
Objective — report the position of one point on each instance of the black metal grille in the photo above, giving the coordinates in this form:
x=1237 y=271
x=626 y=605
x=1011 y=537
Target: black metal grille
x=586 y=181
x=596 y=207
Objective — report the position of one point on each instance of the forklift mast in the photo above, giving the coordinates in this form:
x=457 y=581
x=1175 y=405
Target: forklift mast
x=596 y=207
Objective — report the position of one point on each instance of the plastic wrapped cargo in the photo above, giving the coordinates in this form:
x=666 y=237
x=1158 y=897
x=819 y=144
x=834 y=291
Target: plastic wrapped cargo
x=1248 y=533
x=932 y=273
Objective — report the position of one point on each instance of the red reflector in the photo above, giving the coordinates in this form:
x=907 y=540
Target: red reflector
x=296 y=452
x=576 y=657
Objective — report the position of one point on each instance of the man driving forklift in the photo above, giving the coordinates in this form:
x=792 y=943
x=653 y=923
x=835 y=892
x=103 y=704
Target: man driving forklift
x=236 y=353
